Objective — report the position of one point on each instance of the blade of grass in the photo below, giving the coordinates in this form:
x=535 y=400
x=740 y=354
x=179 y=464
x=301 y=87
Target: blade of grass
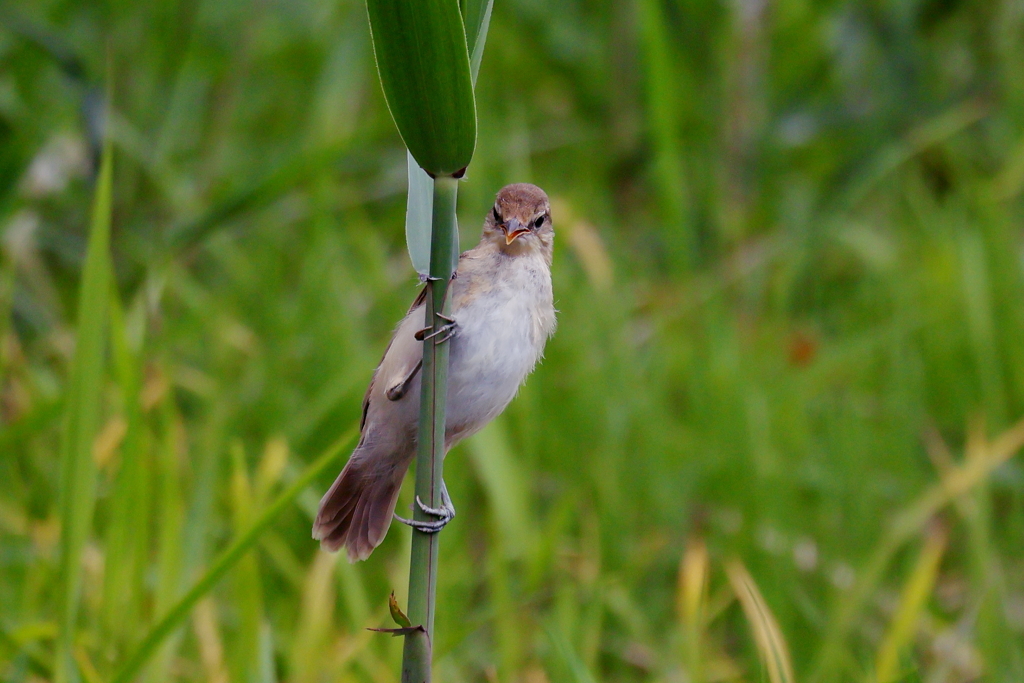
x=170 y=506
x=771 y=644
x=246 y=584
x=81 y=415
x=257 y=193
x=932 y=132
x=127 y=533
x=662 y=86
x=227 y=559
x=691 y=599
x=988 y=576
x=508 y=496
x=204 y=490
x=208 y=638
x=916 y=591
x=476 y=15
x=266 y=666
x=354 y=597
x=983 y=457
x=980 y=319
x=35 y=661
x=577 y=670
x=313 y=630
x=512 y=530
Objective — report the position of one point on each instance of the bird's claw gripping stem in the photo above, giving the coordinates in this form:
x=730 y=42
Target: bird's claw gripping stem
x=444 y=513
x=424 y=277
x=441 y=334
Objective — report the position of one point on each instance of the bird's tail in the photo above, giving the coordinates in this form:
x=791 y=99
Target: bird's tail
x=356 y=511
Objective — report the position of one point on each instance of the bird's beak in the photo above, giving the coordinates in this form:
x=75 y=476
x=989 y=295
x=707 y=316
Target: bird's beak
x=513 y=230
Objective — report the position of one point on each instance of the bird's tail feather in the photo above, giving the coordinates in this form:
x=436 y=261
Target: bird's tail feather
x=356 y=511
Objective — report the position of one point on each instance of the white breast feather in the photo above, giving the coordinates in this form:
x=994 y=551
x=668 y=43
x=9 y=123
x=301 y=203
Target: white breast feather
x=500 y=338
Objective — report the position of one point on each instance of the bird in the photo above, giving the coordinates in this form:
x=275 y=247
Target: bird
x=501 y=314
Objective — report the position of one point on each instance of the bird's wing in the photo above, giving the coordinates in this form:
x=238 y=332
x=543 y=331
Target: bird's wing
x=402 y=359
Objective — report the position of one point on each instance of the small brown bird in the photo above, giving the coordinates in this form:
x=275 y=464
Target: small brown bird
x=503 y=313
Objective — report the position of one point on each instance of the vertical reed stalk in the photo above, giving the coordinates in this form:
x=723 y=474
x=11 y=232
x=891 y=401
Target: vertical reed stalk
x=430 y=437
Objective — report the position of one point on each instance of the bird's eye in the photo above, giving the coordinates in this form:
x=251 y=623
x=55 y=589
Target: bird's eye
x=539 y=222
x=497 y=216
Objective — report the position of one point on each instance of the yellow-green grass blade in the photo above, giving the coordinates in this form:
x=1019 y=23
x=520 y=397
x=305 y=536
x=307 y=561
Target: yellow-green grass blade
x=770 y=641
x=423 y=63
x=35 y=660
x=354 y=596
x=916 y=591
x=505 y=488
x=316 y=617
x=176 y=615
x=983 y=457
x=691 y=605
x=81 y=416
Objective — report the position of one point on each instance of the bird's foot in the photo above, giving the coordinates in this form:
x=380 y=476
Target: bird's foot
x=441 y=334
x=445 y=513
x=430 y=278
x=447 y=332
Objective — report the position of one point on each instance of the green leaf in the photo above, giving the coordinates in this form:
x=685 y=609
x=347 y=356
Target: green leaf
x=423 y=64
x=477 y=14
x=396 y=612
x=82 y=414
x=418 y=208
x=418 y=212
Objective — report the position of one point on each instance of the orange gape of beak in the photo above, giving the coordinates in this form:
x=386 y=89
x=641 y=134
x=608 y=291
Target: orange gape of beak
x=513 y=230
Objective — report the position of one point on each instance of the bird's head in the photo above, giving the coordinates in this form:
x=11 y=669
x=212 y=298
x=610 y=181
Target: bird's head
x=520 y=221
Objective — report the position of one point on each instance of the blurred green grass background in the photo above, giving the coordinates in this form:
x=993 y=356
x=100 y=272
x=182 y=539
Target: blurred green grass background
x=789 y=276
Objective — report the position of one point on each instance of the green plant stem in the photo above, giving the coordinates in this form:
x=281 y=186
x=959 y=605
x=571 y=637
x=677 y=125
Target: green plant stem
x=430 y=437
x=227 y=559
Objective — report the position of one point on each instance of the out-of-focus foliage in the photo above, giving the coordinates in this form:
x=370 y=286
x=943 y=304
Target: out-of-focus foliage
x=772 y=438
